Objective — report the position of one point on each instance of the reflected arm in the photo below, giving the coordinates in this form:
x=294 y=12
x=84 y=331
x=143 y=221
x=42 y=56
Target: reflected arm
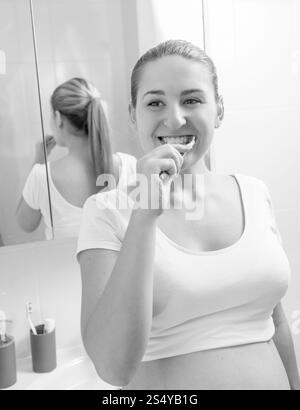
x=27 y=217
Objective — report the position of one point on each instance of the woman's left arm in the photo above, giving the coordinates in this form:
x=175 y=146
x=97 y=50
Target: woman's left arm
x=284 y=343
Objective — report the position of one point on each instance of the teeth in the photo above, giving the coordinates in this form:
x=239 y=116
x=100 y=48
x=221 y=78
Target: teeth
x=184 y=139
x=191 y=144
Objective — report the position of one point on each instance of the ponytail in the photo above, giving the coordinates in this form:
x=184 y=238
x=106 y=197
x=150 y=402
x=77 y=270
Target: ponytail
x=80 y=102
x=99 y=138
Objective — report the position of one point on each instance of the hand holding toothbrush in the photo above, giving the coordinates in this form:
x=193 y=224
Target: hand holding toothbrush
x=183 y=150
x=160 y=166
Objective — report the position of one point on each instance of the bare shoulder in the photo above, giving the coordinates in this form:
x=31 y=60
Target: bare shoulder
x=68 y=170
x=58 y=166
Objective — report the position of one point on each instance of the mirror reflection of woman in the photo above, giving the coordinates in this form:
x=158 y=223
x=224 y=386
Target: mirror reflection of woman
x=79 y=123
x=172 y=303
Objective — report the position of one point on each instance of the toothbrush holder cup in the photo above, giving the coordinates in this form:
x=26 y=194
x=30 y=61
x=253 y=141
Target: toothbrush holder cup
x=43 y=350
x=8 y=366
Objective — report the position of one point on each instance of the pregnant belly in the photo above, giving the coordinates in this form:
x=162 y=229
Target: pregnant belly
x=249 y=367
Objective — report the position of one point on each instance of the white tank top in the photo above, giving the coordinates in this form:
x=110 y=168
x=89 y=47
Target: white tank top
x=211 y=299
x=66 y=216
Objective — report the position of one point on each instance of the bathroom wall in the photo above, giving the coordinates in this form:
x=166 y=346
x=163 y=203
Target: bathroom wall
x=169 y=19
x=255 y=45
x=48 y=275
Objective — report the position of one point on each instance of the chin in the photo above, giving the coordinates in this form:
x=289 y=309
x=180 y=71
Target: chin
x=192 y=159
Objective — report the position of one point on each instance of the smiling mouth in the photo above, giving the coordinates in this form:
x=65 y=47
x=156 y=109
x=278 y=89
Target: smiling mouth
x=182 y=139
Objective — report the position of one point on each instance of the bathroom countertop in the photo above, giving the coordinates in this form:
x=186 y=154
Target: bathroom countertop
x=74 y=371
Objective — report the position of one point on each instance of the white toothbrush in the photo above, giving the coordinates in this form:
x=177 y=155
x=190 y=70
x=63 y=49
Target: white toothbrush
x=2 y=327
x=29 y=311
x=49 y=325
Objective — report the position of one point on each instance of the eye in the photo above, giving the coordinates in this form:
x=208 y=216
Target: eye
x=192 y=101
x=155 y=104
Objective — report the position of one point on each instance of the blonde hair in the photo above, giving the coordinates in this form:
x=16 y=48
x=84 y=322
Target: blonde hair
x=79 y=101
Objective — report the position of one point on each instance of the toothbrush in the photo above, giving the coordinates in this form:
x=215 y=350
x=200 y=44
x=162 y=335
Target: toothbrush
x=164 y=176
x=49 y=325
x=29 y=311
x=2 y=327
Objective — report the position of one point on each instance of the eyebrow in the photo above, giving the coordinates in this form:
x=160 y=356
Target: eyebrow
x=156 y=92
x=192 y=90
x=185 y=92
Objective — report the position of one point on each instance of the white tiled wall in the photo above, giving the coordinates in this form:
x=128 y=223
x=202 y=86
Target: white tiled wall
x=255 y=45
x=169 y=19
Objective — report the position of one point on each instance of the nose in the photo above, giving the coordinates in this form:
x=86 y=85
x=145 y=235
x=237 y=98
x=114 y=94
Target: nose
x=175 y=118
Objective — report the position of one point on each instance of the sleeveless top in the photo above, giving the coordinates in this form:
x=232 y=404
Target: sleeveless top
x=210 y=299
x=66 y=216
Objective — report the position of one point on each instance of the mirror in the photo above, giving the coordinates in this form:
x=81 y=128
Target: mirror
x=44 y=43
x=20 y=121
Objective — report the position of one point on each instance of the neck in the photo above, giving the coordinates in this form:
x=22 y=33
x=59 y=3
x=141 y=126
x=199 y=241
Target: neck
x=79 y=148
x=199 y=168
x=192 y=178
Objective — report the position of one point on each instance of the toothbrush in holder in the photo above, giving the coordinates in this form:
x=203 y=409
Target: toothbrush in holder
x=29 y=311
x=2 y=327
x=49 y=325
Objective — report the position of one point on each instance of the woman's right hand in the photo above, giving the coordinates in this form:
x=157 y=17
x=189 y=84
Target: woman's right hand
x=39 y=149
x=160 y=166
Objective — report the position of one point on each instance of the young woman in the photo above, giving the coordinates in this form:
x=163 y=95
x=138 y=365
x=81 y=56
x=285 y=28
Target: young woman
x=78 y=123
x=173 y=302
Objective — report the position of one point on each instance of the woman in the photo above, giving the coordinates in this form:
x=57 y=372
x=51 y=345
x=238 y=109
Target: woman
x=79 y=123
x=170 y=301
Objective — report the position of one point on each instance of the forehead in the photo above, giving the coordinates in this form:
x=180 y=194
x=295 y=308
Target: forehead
x=174 y=74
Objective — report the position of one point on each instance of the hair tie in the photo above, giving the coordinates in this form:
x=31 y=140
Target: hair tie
x=95 y=95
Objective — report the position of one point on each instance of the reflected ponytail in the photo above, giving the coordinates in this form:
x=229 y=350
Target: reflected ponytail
x=79 y=101
x=99 y=138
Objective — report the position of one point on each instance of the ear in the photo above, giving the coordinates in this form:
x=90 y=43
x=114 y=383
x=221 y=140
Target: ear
x=58 y=119
x=220 y=112
x=132 y=114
